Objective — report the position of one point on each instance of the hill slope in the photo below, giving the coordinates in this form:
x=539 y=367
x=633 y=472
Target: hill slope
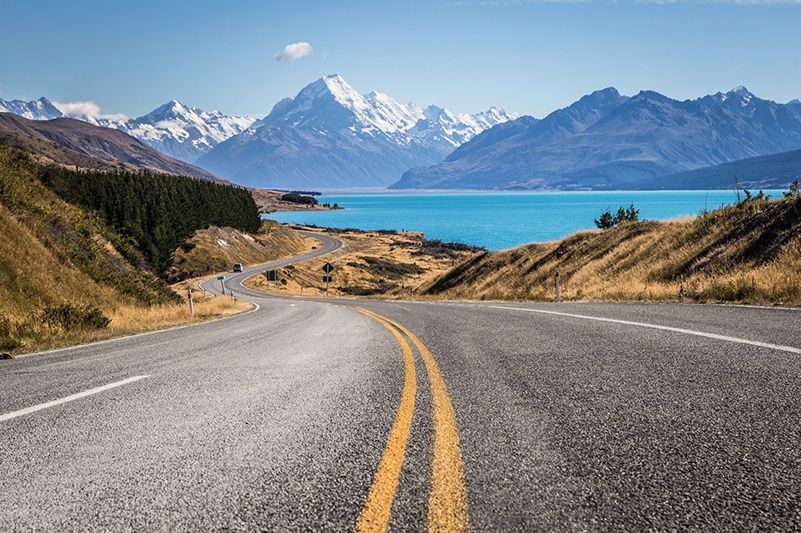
x=749 y=252
x=765 y=172
x=54 y=252
x=67 y=141
x=64 y=272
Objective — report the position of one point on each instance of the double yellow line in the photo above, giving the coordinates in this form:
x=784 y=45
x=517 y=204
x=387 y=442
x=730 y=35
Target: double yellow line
x=447 y=503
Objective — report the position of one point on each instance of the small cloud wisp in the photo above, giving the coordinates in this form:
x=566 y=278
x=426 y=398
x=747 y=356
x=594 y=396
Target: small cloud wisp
x=293 y=51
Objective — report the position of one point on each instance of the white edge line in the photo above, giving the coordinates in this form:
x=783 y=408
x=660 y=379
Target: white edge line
x=33 y=409
x=663 y=328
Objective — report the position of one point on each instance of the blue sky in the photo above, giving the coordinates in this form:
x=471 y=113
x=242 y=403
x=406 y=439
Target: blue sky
x=527 y=56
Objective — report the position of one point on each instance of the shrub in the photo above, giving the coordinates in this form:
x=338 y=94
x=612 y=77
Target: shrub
x=68 y=317
x=7 y=341
x=607 y=219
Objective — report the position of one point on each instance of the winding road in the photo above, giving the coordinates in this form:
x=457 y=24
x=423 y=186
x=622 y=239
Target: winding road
x=343 y=414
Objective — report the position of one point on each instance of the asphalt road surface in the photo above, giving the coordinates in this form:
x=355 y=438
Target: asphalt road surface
x=343 y=415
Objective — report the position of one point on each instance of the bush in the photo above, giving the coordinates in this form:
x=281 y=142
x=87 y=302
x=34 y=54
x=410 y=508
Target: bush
x=7 y=341
x=388 y=269
x=607 y=219
x=68 y=317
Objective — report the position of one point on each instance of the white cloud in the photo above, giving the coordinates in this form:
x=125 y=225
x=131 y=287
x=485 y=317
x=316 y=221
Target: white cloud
x=294 y=51
x=90 y=109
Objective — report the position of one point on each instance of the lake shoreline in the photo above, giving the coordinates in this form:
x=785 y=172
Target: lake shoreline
x=501 y=220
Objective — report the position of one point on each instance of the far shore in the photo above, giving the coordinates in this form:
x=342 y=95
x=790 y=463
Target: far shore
x=270 y=202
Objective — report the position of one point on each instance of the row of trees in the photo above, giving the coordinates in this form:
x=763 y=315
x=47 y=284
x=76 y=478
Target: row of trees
x=158 y=212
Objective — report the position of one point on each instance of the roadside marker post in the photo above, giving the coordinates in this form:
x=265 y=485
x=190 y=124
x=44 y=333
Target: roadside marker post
x=191 y=306
x=556 y=282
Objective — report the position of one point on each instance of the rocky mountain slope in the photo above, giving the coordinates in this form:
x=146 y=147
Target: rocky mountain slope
x=606 y=140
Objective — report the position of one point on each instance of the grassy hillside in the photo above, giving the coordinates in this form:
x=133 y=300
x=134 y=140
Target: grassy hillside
x=747 y=253
x=64 y=280
x=384 y=264
x=216 y=249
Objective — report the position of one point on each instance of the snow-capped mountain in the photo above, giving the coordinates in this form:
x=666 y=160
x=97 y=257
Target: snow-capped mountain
x=183 y=132
x=330 y=136
x=41 y=109
x=174 y=129
x=606 y=140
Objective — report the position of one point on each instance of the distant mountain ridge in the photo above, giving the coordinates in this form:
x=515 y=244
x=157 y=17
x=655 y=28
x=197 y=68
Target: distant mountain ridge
x=330 y=136
x=609 y=141
x=72 y=142
x=174 y=129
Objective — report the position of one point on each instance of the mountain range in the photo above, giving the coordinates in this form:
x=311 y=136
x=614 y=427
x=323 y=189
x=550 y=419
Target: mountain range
x=330 y=136
x=181 y=132
x=75 y=143
x=610 y=141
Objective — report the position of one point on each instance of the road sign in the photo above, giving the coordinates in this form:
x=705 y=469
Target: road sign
x=327 y=279
x=272 y=275
x=327 y=268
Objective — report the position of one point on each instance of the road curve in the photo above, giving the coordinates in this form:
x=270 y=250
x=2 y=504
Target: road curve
x=567 y=417
x=233 y=281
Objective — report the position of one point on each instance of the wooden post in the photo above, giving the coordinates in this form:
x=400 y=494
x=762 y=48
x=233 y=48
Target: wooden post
x=556 y=283
x=191 y=305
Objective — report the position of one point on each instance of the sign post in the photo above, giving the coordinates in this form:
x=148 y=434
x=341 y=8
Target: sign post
x=222 y=283
x=327 y=268
x=556 y=283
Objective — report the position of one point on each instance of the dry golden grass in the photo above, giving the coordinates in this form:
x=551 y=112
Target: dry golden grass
x=374 y=264
x=217 y=249
x=131 y=319
x=749 y=253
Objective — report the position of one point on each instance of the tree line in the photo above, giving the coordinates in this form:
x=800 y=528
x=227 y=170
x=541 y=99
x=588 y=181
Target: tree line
x=156 y=213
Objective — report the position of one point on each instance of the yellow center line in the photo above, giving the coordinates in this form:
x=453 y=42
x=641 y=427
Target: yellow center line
x=447 y=503
x=377 y=507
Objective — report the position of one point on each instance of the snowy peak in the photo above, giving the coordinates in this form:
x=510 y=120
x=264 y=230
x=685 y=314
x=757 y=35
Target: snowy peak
x=41 y=109
x=737 y=97
x=330 y=104
x=171 y=109
x=174 y=129
x=185 y=132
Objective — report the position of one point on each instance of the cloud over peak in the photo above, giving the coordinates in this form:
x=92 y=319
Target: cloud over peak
x=90 y=109
x=293 y=51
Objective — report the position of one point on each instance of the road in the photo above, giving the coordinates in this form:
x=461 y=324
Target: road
x=327 y=416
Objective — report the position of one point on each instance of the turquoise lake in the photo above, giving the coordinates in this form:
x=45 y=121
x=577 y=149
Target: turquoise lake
x=500 y=220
